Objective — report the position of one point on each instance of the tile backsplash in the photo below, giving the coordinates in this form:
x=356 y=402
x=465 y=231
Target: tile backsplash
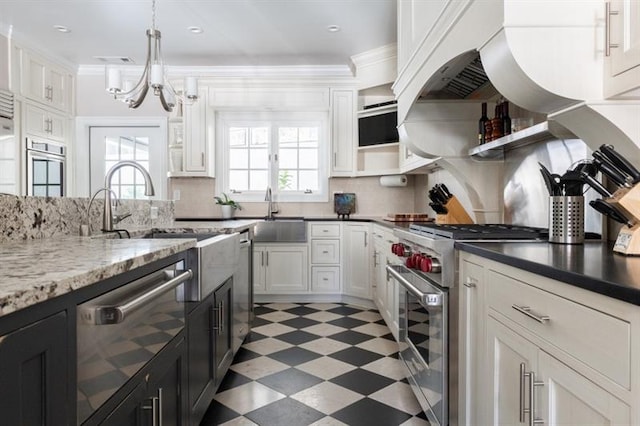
x=372 y=199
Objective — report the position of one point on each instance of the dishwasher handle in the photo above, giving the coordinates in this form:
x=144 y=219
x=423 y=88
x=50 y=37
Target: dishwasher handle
x=117 y=313
x=244 y=243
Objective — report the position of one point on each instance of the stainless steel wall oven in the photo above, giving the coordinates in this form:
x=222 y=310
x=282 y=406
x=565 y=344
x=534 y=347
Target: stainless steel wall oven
x=46 y=168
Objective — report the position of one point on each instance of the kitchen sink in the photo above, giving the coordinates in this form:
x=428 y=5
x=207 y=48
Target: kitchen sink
x=199 y=236
x=281 y=230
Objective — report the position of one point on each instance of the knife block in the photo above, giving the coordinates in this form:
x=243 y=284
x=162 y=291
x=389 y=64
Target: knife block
x=628 y=201
x=456 y=214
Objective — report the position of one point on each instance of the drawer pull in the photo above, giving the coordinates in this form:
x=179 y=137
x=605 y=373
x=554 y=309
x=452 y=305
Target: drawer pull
x=528 y=312
x=325 y=252
x=470 y=282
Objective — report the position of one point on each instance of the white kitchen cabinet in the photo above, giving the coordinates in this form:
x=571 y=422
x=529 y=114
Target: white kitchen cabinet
x=356 y=260
x=385 y=293
x=344 y=132
x=472 y=331
x=578 y=347
x=46 y=83
x=325 y=256
x=622 y=66
x=191 y=146
x=41 y=123
x=280 y=268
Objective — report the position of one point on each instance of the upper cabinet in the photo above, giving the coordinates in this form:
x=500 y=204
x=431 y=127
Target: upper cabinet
x=344 y=133
x=46 y=83
x=622 y=48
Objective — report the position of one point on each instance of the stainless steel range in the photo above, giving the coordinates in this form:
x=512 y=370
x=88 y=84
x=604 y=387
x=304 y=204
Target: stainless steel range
x=425 y=268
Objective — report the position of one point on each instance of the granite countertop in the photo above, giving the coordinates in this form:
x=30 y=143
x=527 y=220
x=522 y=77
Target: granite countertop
x=592 y=265
x=37 y=270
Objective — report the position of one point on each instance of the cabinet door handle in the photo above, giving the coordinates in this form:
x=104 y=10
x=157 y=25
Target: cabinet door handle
x=365 y=238
x=542 y=319
x=470 y=282
x=267 y=253
x=607 y=30
x=335 y=159
x=159 y=407
x=215 y=319
x=532 y=396
x=325 y=252
x=375 y=259
x=261 y=258
x=202 y=159
x=221 y=316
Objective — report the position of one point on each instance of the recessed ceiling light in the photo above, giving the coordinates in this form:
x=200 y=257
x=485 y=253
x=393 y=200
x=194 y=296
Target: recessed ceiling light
x=195 y=30
x=333 y=28
x=62 y=28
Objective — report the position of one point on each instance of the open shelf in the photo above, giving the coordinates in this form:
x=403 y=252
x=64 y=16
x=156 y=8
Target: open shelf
x=536 y=133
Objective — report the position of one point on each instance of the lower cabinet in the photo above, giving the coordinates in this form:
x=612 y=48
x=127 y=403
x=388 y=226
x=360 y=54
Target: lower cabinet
x=386 y=290
x=210 y=352
x=34 y=375
x=537 y=351
x=158 y=398
x=280 y=268
x=356 y=260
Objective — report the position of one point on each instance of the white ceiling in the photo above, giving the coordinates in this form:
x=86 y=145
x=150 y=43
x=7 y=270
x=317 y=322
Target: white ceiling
x=236 y=32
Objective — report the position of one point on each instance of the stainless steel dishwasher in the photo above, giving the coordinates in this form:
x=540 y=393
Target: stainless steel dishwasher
x=121 y=330
x=243 y=292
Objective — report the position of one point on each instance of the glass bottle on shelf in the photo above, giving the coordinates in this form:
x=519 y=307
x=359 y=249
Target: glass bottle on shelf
x=506 y=120
x=482 y=135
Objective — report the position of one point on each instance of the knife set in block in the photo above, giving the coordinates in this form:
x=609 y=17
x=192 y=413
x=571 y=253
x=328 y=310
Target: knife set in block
x=628 y=201
x=456 y=214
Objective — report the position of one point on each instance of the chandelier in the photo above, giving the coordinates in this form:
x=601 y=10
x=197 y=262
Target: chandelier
x=154 y=76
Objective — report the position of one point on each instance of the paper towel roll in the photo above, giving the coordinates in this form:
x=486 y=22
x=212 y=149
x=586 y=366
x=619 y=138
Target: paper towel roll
x=393 y=180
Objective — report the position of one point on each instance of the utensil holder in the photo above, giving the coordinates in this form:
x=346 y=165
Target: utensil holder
x=566 y=220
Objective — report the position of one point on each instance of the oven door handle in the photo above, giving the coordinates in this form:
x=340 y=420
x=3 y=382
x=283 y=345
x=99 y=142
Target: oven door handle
x=117 y=313
x=428 y=299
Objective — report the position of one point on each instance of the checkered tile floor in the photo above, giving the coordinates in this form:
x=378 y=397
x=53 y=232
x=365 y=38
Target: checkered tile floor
x=316 y=364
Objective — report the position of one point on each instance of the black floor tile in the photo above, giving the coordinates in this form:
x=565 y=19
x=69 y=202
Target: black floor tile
x=217 y=414
x=254 y=337
x=347 y=322
x=351 y=337
x=290 y=381
x=294 y=356
x=300 y=322
x=244 y=355
x=362 y=381
x=297 y=337
x=356 y=356
x=232 y=380
x=261 y=310
x=368 y=412
x=301 y=310
x=345 y=310
x=285 y=412
x=257 y=322
x=388 y=336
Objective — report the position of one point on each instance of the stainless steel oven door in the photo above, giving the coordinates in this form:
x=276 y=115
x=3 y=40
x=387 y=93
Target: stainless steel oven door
x=423 y=340
x=46 y=169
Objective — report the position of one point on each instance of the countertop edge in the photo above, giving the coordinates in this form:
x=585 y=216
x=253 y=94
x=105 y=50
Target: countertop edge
x=606 y=288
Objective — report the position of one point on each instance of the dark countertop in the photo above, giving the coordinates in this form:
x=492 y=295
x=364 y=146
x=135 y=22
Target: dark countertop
x=592 y=265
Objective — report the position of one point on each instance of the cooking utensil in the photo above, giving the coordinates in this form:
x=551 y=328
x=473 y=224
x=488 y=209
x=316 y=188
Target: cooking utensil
x=621 y=162
x=611 y=172
x=572 y=183
x=610 y=211
x=551 y=180
x=595 y=185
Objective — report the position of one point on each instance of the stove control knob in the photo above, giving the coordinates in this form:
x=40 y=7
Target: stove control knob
x=409 y=263
x=436 y=266
x=394 y=248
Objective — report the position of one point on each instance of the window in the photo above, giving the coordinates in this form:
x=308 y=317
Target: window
x=146 y=145
x=283 y=151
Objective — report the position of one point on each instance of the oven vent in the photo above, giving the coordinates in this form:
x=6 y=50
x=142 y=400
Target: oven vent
x=6 y=104
x=471 y=78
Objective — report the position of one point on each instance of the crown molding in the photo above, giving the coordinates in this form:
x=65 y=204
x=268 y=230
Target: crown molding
x=377 y=55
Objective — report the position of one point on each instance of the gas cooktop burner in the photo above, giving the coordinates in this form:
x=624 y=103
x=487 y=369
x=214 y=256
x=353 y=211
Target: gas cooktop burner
x=481 y=232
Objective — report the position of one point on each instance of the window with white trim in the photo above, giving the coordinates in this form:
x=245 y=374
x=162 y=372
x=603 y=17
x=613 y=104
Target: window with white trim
x=284 y=151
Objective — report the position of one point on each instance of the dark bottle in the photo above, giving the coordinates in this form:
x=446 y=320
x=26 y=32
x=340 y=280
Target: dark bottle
x=482 y=134
x=506 y=120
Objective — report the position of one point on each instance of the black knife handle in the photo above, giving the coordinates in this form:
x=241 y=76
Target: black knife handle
x=620 y=162
x=595 y=185
x=609 y=211
x=446 y=190
x=611 y=172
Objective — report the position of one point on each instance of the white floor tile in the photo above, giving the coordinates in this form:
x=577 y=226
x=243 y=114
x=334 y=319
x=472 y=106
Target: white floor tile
x=399 y=396
x=258 y=368
x=248 y=397
x=326 y=368
x=328 y=421
x=380 y=346
x=277 y=316
x=323 y=316
x=388 y=367
x=372 y=329
x=239 y=421
x=367 y=316
x=267 y=346
x=324 y=329
x=281 y=306
x=274 y=329
x=327 y=397
x=322 y=306
x=324 y=346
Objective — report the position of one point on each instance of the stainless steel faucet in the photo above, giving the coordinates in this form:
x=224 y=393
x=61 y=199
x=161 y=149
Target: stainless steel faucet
x=107 y=217
x=268 y=197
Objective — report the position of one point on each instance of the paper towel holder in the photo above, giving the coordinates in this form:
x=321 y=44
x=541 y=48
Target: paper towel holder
x=394 y=180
